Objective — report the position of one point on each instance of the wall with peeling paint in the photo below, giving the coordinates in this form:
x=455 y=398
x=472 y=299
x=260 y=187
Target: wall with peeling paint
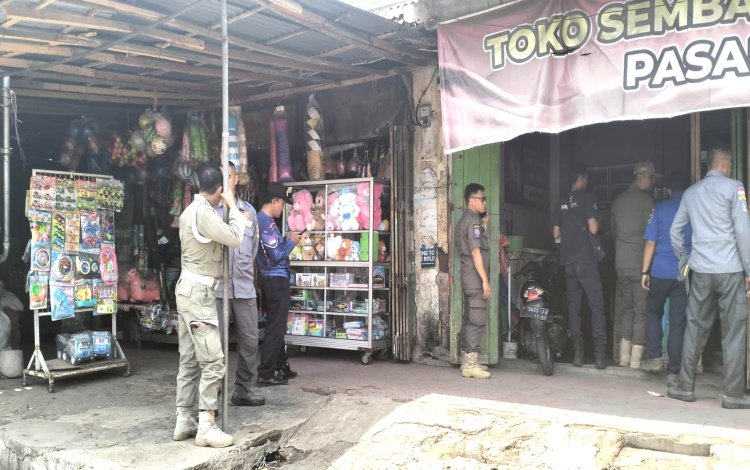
x=431 y=221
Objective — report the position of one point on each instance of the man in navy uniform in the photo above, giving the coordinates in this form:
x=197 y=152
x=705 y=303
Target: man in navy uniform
x=659 y=278
x=719 y=265
x=274 y=271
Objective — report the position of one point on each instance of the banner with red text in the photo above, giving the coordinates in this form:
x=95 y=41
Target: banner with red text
x=551 y=65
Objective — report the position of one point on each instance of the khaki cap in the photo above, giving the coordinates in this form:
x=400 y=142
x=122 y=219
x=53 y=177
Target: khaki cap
x=645 y=168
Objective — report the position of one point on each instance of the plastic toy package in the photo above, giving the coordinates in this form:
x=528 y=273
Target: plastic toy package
x=106 y=298
x=84 y=293
x=40 y=240
x=87 y=266
x=42 y=189
x=75 y=348
x=108 y=228
x=65 y=195
x=63 y=268
x=108 y=266
x=61 y=300
x=38 y=292
x=110 y=194
x=58 y=232
x=91 y=233
x=87 y=195
x=72 y=232
x=101 y=343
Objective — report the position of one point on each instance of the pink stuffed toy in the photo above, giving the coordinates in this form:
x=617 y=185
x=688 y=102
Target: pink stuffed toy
x=140 y=290
x=333 y=216
x=300 y=215
x=363 y=201
x=377 y=209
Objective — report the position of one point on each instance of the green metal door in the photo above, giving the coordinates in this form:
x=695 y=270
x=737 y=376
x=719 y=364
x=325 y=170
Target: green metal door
x=479 y=165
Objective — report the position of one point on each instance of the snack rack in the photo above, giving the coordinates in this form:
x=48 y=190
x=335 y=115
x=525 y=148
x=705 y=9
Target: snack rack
x=367 y=346
x=40 y=367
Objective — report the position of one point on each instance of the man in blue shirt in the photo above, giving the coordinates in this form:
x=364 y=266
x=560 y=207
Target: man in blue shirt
x=659 y=278
x=274 y=272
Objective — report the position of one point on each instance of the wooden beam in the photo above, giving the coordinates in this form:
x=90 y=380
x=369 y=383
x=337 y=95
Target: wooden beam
x=329 y=28
x=239 y=17
x=105 y=75
x=298 y=59
x=97 y=98
x=285 y=37
x=49 y=38
x=92 y=90
x=98 y=24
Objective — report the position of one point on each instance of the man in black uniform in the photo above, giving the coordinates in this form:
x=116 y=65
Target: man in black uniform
x=575 y=218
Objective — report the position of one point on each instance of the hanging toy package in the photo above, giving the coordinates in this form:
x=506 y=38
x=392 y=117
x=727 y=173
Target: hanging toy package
x=108 y=266
x=87 y=266
x=38 y=292
x=84 y=293
x=283 y=157
x=91 y=233
x=58 y=232
x=61 y=298
x=87 y=193
x=41 y=241
x=108 y=228
x=42 y=189
x=63 y=268
x=106 y=298
x=110 y=194
x=65 y=195
x=72 y=232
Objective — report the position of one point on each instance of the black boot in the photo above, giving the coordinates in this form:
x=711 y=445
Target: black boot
x=287 y=372
x=600 y=354
x=578 y=353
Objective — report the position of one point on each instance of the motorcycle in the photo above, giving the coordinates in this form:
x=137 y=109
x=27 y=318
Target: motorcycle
x=541 y=332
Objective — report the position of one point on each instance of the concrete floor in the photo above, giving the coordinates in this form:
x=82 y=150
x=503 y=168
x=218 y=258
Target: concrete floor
x=327 y=416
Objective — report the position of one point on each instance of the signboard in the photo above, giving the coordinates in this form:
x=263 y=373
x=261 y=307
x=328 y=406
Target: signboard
x=427 y=256
x=551 y=65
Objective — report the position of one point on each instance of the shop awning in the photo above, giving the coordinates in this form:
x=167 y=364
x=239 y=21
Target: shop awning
x=278 y=48
x=551 y=65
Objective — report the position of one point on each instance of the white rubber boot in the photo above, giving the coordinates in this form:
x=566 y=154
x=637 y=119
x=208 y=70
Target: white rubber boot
x=186 y=426
x=471 y=368
x=209 y=435
x=635 y=357
x=625 y=347
x=463 y=361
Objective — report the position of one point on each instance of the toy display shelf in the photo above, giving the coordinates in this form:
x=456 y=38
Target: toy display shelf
x=40 y=367
x=369 y=346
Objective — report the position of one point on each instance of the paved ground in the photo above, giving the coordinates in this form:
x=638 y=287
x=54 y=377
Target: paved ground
x=340 y=414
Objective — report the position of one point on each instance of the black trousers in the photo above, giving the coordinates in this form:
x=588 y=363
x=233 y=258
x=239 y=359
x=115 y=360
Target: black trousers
x=276 y=301
x=661 y=290
x=584 y=277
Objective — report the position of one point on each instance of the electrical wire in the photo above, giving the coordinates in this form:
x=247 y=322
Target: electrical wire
x=419 y=102
x=11 y=95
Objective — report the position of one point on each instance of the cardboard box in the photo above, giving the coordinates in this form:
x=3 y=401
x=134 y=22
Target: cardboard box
x=354 y=324
x=315 y=328
x=318 y=280
x=359 y=334
x=340 y=279
x=378 y=276
x=297 y=324
x=304 y=279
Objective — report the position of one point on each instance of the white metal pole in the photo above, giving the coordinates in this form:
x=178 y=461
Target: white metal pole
x=225 y=167
x=510 y=303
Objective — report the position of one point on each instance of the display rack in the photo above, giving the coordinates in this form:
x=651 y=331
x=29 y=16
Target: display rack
x=332 y=319
x=40 y=366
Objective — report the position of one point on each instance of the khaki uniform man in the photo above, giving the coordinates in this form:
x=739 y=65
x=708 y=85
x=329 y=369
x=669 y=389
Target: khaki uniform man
x=474 y=251
x=631 y=212
x=202 y=234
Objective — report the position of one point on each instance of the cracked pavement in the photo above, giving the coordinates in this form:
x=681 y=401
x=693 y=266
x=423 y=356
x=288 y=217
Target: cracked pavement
x=339 y=414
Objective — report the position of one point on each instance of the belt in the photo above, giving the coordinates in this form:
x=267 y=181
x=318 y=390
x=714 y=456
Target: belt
x=207 y=281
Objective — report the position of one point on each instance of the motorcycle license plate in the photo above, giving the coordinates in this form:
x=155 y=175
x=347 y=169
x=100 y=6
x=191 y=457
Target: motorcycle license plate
x=537 y=313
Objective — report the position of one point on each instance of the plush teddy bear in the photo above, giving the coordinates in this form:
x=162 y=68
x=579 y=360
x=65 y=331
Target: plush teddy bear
x=300 y=214
x=319 y=242
x=333 y=216
x=377 y=209
x=363 y=202
x=343 y=251
x=348 y=211
x=354 y=251
x=142 y=290
x=383 y=256
x=309 y=253
x=319 y=212
x=332 y=246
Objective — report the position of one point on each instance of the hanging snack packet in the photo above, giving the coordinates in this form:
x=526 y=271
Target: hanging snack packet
x=106 y=298
x=84 y=293
x=65 y=195
x=108 y=228
x=63 y=268
x=87 y=266
x=86 y=192
x=72 y=232
x=42 y=190
x=61 y=300
x=38 y=292
x=91 y=233
x=58 y=232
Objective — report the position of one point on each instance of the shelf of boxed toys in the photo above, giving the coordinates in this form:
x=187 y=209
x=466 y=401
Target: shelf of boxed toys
x=343 y=314
x=41 y=368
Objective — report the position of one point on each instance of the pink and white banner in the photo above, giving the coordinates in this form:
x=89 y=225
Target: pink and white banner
x=551 y=65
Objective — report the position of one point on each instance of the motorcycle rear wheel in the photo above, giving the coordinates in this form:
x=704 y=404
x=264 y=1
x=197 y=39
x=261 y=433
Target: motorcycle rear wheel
x=545 y=354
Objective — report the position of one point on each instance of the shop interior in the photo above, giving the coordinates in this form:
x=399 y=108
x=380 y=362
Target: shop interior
x=535 y=175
